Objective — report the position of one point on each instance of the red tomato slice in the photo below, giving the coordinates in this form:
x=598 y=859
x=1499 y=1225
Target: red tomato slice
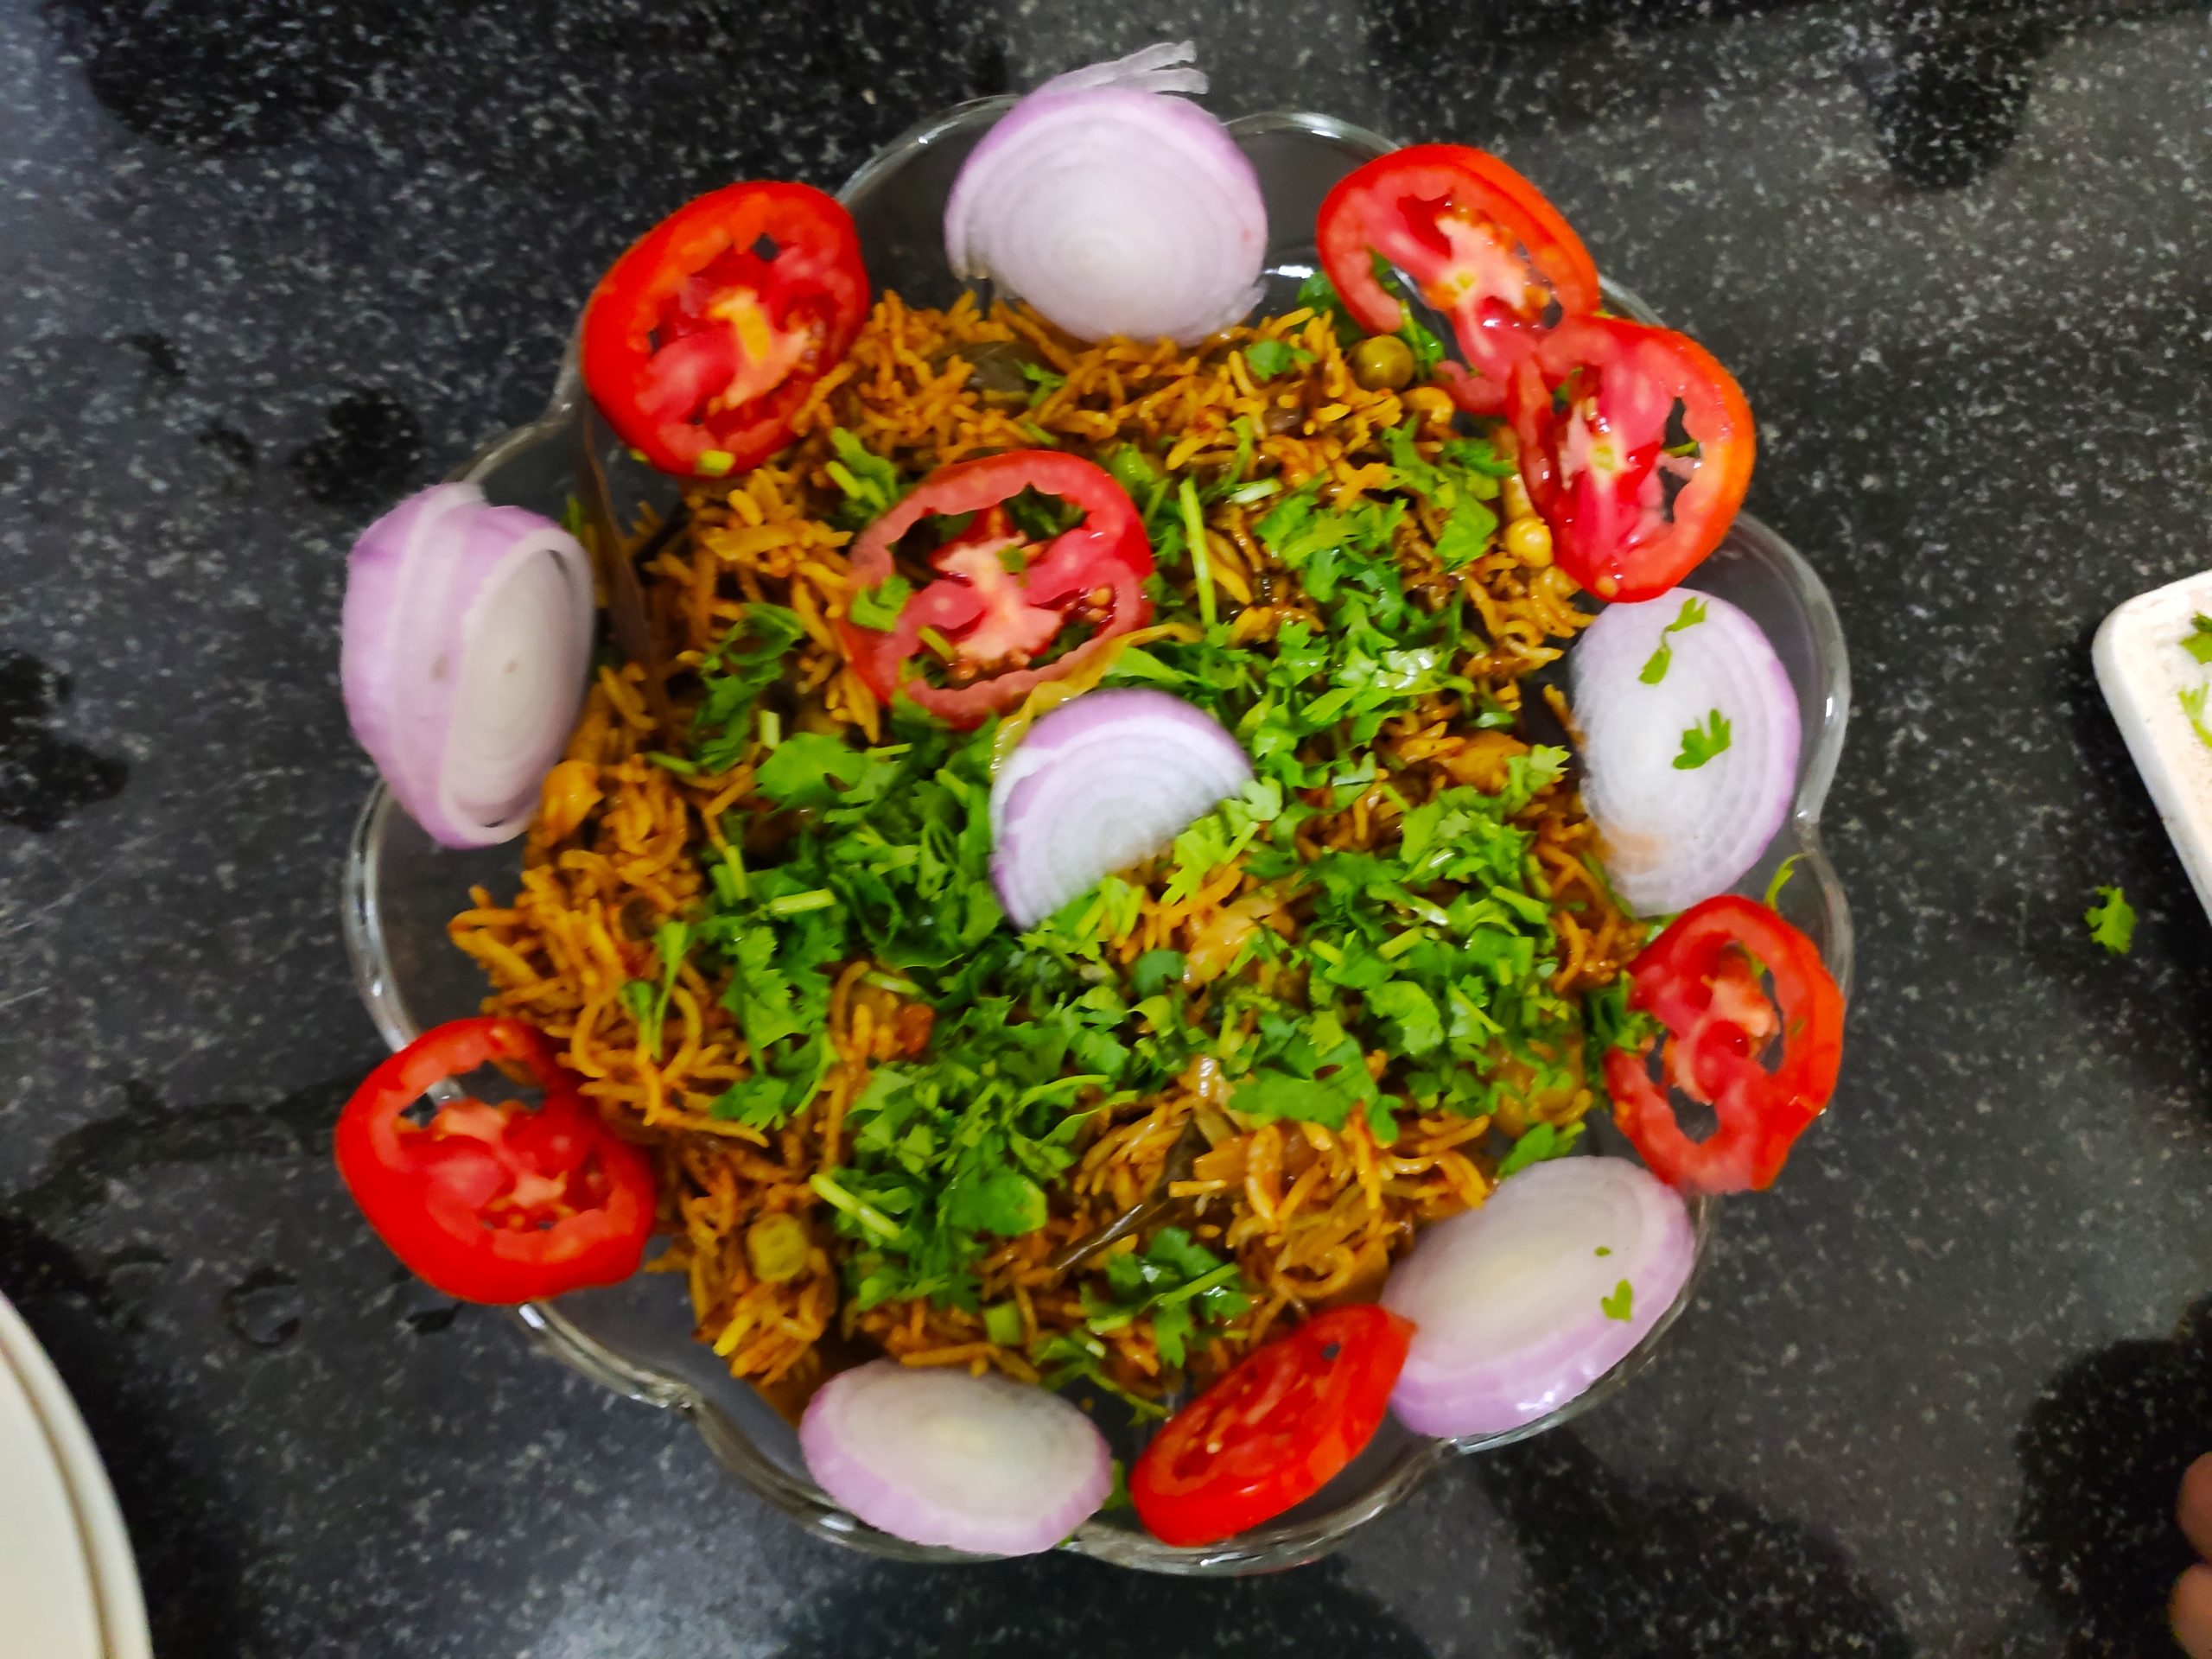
x=1000 y=601
x=494 y=1203
x=700 y=347
x=1485 y=247
x=1592 y=410
x=1274 y=1431
x=1700 y=980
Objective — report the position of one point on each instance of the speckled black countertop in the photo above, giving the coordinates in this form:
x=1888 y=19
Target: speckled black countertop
x=265 y=264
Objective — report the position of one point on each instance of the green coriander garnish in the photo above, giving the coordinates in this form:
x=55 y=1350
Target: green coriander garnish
x=1043 y=382
x=872 y=486
x=2112 y=921
x=745 y=664
x=2197 y=642
x=879 y=607
x=2192 y=704
x=713 y=463
x=1702 y=743
x=1539 y=1144
x=1194 y=536
x=1692 y=614
x=1621 y=1304
x=647 y=1003
x=1783 y=872
x=1269 y=358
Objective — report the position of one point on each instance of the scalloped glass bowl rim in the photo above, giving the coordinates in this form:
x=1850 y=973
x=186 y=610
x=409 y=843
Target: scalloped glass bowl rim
x=1262 y=1549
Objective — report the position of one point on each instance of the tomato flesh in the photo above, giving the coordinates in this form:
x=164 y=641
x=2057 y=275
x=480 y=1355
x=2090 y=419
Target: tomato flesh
x=1484 y=246
x=699 y=347
x=1274 y=1431
x=1592 y=410
x=998 y=601
x=494 y=1203
x=1700 y=980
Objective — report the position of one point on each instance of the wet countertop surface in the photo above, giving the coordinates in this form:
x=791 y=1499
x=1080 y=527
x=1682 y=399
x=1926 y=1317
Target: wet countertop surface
x=265 y=265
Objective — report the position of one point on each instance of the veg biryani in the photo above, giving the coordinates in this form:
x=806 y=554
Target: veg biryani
x=767 y=940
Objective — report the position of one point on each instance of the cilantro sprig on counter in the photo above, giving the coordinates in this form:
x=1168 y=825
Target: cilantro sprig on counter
x=2112 y=921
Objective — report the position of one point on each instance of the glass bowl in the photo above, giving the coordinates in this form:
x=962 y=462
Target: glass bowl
x=636 y=1338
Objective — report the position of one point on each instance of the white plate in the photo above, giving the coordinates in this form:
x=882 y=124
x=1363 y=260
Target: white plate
x=68 y=1589
x=2146 y=675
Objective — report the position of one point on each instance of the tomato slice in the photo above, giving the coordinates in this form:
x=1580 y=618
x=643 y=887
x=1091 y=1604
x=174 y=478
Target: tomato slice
x=494 y=1203
x=1275 y=1430
x=704 y=340
x=1000 y=600
x=1700 y=979
x=1485 y=246
x=1592 y=410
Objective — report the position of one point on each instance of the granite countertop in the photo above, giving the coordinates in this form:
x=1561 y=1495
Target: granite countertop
x=265 y=265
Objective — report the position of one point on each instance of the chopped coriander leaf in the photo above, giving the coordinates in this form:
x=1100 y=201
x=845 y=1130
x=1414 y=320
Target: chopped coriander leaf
x=1269 y=358
x=1194 y=536
x=1621 y=1304
x=1702 y=743
x=955 y=1149
x=1002 y=1325
x=2192 y=704
x=2197 y=642
x=1181 y=1287
x=1157 y=970
x=1466 y=535
x=572 y=516
x=748 y=661
x=809 y=768
x=1783 y=872
x=2112 y=921
x=1541 y=1143
x=1478 y=457
x=647 y=1003
x=872 y=486
x=713 y=463
x=1043 y=382
x=879 y=607
x=1320 y=295
x=1428 y=350
x=1691 y=615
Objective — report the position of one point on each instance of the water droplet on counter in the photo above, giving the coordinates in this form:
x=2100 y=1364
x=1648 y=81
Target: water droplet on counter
x=264 y=1308
x=44 y=778
x=371 y=445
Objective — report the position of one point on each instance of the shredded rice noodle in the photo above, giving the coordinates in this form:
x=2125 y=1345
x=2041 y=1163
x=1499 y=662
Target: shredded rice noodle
x=1311 y=1215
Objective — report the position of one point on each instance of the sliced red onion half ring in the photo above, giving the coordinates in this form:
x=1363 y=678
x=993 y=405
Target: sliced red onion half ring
x=1102 y=781
x=1643 y=677
x=1113 y=207
x=939 y=1457
x=1520 y=1306
x=465 y=643
x=1163 y=68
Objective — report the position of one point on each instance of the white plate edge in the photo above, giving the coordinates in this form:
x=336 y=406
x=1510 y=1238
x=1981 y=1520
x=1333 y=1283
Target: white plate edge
x=101 y=1533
